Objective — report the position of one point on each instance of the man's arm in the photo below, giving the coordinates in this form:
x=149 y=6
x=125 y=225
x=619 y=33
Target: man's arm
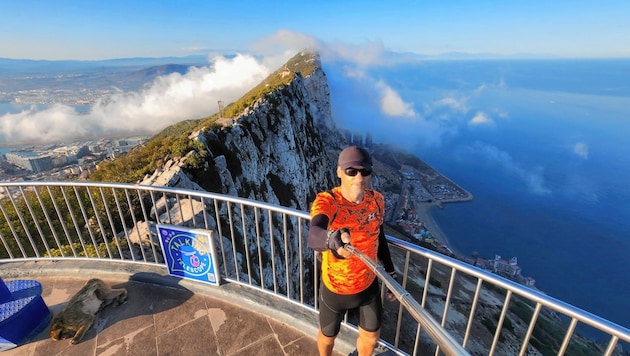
x=386 y=258
x=383 y=252
x=321 y=239
x=317 y=233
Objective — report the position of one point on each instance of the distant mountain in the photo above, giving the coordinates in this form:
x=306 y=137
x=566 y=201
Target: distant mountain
x=76 y=76
x=18 y=66
x=145 y=75
x=464 y=56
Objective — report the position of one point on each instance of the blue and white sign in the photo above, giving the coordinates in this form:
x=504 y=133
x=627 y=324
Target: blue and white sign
x=189 y=253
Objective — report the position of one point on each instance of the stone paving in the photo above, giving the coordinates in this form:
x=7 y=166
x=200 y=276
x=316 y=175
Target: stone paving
x=165 y=320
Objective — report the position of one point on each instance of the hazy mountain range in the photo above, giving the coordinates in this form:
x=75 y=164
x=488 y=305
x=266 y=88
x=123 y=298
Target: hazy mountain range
x=16 y=66
x=127 y=74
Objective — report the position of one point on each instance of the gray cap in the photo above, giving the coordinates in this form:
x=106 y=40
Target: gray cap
x=354 y=156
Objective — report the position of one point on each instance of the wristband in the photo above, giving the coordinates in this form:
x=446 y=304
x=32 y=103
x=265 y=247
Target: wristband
x=328 y=234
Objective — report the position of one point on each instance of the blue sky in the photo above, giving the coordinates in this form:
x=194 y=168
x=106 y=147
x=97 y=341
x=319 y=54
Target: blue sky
x=33 y=29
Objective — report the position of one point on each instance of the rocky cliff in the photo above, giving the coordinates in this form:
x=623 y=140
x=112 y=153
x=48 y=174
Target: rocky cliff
x=280 y=150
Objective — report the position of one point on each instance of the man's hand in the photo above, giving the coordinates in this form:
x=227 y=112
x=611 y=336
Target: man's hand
x=388 y=293
x=345 y=238
x=337 y=240
x=390 y=296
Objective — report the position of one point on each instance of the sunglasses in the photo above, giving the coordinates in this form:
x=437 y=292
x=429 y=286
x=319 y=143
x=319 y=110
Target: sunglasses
x=353 y=172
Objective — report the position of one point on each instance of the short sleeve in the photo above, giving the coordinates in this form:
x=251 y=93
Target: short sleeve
x=323 y=204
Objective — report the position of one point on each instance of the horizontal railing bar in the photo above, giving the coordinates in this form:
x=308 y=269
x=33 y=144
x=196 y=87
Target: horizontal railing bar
x=432 y=327
x=151 y=188
x=531 y=294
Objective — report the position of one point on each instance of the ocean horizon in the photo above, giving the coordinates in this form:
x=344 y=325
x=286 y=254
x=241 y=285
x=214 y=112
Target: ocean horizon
x=541 y=145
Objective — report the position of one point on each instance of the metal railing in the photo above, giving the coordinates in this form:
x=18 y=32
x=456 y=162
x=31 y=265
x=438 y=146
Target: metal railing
x=446 y=306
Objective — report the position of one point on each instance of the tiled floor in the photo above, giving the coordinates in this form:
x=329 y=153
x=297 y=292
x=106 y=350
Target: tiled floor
x=165 y=320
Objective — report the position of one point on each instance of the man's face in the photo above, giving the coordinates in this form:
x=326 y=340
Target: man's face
x=353 y=178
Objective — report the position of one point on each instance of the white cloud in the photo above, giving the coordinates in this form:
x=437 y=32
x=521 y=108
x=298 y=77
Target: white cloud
x=455 y=104
x=276 y=49
x=481 y=118
x=58 y=122
x=354 y=72
x=581 y=150
x=176 y=97
x=501 y=114
x=392 y=104
x=361 y=102
x=368 y=54
x=533 y=178
x=283 y=41
x=368 y=103
x=481 y=88
x=167 y=100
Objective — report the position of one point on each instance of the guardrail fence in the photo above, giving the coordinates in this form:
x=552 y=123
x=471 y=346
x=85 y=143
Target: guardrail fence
x=446 y=306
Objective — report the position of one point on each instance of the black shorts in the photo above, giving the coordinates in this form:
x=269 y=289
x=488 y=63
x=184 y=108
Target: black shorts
x=333 y=307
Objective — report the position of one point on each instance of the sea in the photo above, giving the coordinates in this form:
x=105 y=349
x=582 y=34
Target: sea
x=542 y=145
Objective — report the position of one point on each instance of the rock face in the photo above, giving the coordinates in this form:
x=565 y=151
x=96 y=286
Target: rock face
x=281 y=150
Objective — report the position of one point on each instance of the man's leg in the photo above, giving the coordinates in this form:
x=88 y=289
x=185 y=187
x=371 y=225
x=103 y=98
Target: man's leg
x=370 y=318
x=325 y=344
x=332 y=308
x=366 y=342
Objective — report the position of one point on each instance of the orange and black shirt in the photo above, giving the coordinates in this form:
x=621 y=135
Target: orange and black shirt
x=364 y=220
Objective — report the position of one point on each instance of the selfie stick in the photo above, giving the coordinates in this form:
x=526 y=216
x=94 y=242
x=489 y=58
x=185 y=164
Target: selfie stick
x=432 y=327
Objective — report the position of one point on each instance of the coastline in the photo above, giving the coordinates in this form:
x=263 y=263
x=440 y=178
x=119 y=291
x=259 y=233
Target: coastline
x=423 y=211
x=424 y=214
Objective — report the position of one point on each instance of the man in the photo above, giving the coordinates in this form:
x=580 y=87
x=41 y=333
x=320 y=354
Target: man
x=350 y=214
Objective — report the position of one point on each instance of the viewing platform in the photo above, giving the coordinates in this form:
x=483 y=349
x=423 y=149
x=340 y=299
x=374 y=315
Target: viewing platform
x=164 y=315
x=62 y=234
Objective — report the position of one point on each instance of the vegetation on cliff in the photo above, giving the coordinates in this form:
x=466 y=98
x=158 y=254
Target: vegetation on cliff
x=303 y=63
x=174 y=141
